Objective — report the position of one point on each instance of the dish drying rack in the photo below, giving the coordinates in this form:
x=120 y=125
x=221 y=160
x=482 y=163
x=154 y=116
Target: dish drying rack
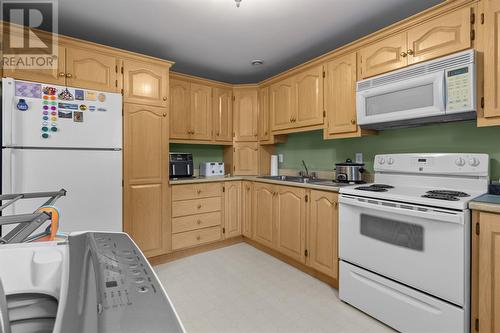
x=29 y=223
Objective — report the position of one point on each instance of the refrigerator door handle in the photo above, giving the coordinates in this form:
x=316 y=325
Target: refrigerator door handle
x=7 y=107
x=8 y=171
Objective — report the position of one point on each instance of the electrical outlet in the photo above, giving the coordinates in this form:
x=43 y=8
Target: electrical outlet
x=359 y=157
x=280 y=158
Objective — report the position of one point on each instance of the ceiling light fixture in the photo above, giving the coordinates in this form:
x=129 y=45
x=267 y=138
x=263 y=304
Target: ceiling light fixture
x=257 y=62
x=238 y=2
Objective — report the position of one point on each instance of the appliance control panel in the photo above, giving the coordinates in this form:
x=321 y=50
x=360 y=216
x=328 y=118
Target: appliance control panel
x=459 y=89
x=449 y=163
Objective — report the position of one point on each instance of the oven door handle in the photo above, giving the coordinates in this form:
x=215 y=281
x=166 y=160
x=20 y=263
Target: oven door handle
x=398 y=208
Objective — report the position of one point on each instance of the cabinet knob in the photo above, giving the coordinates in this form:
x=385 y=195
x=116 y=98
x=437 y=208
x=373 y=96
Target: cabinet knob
x=198 y=237
x=410 y=51
x=164 y=98
x=61 y=74
x=265 y=132
x=69 y=75
x=199 y=206
x=403 y=54
x=199 y=221
x=353 y=122
x=164 y=114
x=198 y=191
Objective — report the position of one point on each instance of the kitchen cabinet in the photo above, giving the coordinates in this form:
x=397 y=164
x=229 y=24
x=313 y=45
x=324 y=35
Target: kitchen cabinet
x=245 y=158
x=201 y=112
x=322 y=243
x=180 y=109
x=145 y=83
x=223 y=114
x=437 y=37
x=340 y=95
x=282 y=104
x=485 y=273
x=90 y=69
x=145 y=156
x=232 y=209
x=264 y=117
x=246 y=209
x=489 y=45
x=245 y=114
x=290 y=217
x=308 y=91
x=262 y=217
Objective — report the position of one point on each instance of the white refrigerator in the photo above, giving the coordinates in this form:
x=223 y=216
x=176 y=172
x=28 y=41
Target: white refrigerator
x=57 y=137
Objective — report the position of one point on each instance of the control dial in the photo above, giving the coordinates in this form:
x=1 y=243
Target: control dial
x=473 y=162
x=390 y=161
x=381 y=160
x=460 y=162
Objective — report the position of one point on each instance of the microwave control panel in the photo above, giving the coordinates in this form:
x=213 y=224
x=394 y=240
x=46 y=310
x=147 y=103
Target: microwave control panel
x=459 y=85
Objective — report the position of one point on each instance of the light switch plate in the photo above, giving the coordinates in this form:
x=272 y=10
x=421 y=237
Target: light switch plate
x=280 y=158
x=359 y=157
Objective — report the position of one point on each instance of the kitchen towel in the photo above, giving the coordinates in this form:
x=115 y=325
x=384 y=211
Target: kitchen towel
x=274 y=165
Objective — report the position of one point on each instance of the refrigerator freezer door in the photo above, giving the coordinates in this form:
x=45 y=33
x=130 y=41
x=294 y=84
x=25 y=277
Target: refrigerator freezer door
x=89 y=119
x=93 y=180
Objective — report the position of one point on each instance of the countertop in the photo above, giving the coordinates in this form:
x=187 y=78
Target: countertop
x=253 y=179
x=486 y=203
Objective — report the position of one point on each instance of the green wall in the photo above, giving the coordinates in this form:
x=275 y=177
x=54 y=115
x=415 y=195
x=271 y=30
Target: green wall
x=201 y=153
x=322 y=154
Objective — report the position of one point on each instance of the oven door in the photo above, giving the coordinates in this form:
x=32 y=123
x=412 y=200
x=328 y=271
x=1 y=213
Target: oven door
x=422 y=247
x=418 y=97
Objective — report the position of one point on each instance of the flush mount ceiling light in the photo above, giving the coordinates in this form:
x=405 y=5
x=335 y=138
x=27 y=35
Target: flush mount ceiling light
x=238 y=2
x=256 y=62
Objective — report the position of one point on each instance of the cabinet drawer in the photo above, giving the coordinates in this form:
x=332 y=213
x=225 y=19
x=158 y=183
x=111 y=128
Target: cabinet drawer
x=196 y=191
x=193 y=222
x=197 y=206
x=196 y=237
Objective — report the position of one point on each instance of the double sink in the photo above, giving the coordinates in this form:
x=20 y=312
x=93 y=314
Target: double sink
x=305 y=180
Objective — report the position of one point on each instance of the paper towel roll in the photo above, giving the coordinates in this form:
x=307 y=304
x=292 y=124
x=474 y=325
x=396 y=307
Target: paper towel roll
x=274 y=165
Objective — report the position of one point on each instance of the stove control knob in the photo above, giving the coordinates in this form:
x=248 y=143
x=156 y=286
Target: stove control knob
x=381 y=160
x=473 y=162
x=390 y=161
x=460 y=162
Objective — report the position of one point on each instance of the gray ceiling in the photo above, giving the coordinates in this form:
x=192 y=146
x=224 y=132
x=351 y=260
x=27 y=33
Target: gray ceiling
x=214 y=39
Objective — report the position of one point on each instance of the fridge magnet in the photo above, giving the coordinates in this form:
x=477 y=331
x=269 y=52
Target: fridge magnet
x=79 y=95
x=83 y=107
x=28 y=89
x=22 y=105
x=68 y=106
x=102 y=109
x=65 y=114
x=66 y=95
x=92 y=108
x=49 y=90
x=101 y=97
x=78 y=117
x=90 y=95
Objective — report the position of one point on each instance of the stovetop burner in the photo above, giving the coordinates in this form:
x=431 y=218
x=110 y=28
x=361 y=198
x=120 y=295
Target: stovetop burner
x=448 y=192
x=446 y=197
x=375 y=188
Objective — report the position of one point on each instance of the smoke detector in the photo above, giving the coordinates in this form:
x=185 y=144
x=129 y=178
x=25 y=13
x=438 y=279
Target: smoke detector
x=238 y=2
x=257 y=62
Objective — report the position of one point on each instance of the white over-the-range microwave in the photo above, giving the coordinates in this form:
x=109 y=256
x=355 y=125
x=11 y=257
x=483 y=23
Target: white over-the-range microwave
x=439 y=90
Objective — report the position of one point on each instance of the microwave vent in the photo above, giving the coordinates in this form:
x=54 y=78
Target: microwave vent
x=456 y=60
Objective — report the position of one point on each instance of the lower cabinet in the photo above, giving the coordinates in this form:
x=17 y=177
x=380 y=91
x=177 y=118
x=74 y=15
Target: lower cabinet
x=485 y=307
x=232 y=209
x=322 y=231
x=246 y=209
x=262 y=217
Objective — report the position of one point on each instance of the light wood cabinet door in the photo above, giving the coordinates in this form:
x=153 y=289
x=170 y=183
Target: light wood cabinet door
x=146 y=216
x=441 y=36
x=57 y=75
x=91 y=69
x=264 y=124
x=262 y=217
x=384 y=56
x=246 y=158
x=308 y=92
x=489 y=273
x=232 y=209
x=145 y=83
x=245 y=114
x=180 y=109
x=282 y=104
x=491 y=54
x=290 y=218
x=201 y=112
x=323 y=233
x=246 y=209
x=340 y=95
x=223 y=114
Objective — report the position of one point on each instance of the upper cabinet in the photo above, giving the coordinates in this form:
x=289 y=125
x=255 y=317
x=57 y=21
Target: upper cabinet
x=264 y=124
x=245 y=114
x=440 y=36
x=201 y=112
x=87 y=68
x=222 y=111
x=145 y=83
x=281 y=104
x=180 y=108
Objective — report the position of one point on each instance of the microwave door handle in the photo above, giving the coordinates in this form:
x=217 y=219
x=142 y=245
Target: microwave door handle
x=173 y=169
x=189 y=169
x=377 y=205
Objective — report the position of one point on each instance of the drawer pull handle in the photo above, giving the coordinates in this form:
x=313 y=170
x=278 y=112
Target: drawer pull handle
x=199 y=206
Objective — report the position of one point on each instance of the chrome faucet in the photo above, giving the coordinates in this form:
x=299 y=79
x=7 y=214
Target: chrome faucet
x=306 y=169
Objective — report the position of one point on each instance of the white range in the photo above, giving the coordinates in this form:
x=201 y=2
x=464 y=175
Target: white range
x=405 y=240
